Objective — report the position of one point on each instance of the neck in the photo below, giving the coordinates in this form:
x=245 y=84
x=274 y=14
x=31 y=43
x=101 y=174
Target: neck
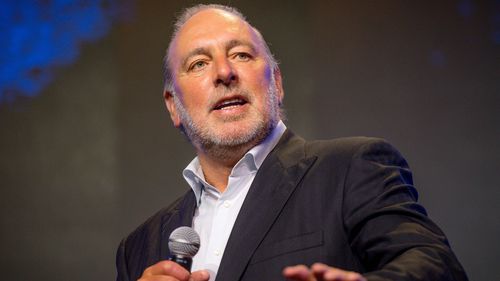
x=217 y=162
x=217 y=165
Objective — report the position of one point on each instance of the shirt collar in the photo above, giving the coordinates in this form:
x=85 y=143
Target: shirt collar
x=249 y=163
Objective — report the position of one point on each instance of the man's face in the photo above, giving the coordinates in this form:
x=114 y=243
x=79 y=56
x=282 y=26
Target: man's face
x=225 y=93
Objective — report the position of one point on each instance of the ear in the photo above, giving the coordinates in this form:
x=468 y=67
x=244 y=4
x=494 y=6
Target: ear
x=279 y=85
x=172 y=109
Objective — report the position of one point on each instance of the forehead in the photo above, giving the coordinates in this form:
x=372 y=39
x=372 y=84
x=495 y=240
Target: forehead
x=211 y=27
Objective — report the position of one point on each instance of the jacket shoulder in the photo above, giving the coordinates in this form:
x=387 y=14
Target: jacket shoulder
x=348 y=146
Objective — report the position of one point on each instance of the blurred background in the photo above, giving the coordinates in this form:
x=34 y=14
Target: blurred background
x=88 y=152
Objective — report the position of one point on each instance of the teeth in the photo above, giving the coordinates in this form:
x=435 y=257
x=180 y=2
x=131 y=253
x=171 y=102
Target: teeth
x=232 y=102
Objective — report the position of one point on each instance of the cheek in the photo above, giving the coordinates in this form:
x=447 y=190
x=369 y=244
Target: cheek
x=194 y=93
x=259 y=79
x=267 y=74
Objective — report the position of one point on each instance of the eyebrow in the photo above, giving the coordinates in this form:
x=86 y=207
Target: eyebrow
x=195 y=52
x=235 y=43
x=229 y=45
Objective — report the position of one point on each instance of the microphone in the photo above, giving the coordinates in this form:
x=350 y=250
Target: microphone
x=183 y=244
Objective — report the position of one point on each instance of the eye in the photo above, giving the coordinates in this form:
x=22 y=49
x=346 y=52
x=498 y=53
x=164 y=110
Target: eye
x=242 y=56
x=197 y=65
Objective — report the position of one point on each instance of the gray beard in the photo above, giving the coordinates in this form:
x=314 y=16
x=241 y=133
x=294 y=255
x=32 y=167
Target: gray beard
x=230 y=149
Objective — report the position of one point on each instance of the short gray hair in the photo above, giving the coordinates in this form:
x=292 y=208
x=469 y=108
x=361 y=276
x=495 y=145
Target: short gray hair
x=185 y=16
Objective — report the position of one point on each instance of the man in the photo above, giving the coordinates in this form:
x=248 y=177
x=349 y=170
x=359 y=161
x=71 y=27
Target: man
x=267 y=204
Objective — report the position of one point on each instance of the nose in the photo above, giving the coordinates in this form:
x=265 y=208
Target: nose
x=225 y=74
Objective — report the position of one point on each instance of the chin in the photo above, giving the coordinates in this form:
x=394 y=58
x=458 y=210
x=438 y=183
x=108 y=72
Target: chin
x=238 y=134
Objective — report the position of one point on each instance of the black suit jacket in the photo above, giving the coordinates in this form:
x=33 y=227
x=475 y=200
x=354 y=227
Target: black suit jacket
x=349 y=203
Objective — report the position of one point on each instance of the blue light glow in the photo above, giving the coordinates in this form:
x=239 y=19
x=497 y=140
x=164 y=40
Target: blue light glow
x=37 y=37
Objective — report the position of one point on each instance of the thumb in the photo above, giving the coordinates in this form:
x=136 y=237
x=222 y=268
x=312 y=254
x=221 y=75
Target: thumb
x=200 y=275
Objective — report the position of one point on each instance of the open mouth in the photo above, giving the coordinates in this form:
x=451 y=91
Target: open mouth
x=230 y=103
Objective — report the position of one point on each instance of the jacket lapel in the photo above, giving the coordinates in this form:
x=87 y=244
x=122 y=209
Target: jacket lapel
x=275 y=181
x=182 y=215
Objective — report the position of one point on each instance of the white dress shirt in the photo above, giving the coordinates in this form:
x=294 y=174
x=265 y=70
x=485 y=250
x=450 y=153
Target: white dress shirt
x=216 y=212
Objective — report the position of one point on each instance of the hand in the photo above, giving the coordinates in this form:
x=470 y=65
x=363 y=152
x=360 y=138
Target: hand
x=170 y=271
x=320 y=272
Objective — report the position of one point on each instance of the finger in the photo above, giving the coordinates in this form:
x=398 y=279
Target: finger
x=319 y=269
x=298 y=273
x=167 y=268
x=200 y=275
x=341 y=275
x=158 y=278
x=354 y=276
x=327 y=273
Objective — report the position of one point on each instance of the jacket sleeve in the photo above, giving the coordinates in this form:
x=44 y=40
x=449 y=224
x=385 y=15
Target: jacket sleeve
x=121 y=264
x=386 y=227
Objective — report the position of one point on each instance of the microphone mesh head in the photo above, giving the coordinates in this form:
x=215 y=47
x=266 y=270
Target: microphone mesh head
x=184 y=241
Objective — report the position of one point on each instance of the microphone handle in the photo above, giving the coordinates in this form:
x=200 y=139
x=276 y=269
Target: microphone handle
x=183 y=261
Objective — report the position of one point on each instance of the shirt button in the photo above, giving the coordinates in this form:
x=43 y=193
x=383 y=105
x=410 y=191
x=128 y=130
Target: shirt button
x=216 y=252
x=227 y=204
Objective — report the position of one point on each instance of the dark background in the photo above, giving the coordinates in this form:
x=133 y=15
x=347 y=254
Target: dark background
x=95 y=154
